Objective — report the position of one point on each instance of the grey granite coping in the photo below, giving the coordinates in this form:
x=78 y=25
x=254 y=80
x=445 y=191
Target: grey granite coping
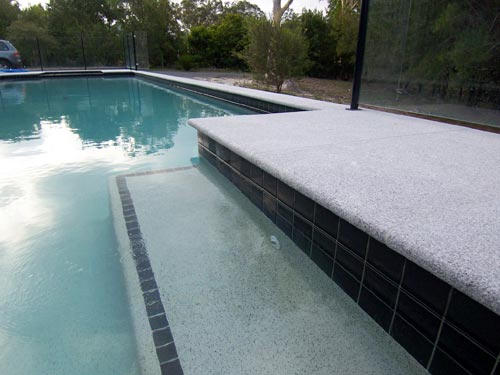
x=288 y=100
x=430 y=191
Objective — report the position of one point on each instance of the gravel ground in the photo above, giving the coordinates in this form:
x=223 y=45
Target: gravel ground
x=314 y=88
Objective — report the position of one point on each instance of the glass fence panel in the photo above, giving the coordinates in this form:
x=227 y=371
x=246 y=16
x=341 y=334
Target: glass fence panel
x=84 y=52
x=438 y=58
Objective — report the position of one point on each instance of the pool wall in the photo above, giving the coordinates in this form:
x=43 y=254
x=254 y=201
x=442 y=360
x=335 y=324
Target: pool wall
x=428 y=317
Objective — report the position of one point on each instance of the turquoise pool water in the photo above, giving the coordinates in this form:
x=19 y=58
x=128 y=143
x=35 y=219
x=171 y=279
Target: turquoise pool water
x=63 y=306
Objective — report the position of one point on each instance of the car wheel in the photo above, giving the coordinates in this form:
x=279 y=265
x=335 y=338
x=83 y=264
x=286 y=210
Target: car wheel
x=5 y=64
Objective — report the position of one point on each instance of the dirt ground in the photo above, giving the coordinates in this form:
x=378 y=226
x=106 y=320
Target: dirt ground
x=322 y=89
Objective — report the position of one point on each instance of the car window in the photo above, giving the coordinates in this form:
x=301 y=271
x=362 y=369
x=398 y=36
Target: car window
x=4 y=46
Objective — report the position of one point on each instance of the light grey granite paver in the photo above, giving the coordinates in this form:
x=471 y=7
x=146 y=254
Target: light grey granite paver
x=237 y=305
x=431 y=191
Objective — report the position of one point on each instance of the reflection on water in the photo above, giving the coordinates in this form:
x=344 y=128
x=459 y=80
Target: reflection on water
x=102 y=112
x=63 y=307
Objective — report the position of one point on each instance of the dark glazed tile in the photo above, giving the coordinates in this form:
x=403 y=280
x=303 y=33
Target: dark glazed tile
x=166 y=353
x=150 y=297
x=236 y=178
x=223 y=152
x=235 y=161
x=352 y=237
x=162 y=337
x=257 y=175
x=285 y=212
x=426 y=287
x=322 y=260
x=326 y=220
x=212 y=145
x=324 y=241
x=158 y=322
x=378 y=310
x=246 y=167
x=148 y=285
x=349 y=262
x=155 y=308
x=385 y=260
x=346 y=282
x=171 y=368
x=286 y=194
x=269 y=206
x=256 y=197
x=302 y=225
x=270 y=184
x=465 y=352
x=477 y=321
x=302 y=242
x=419 y=316
x=305 y=206
x=416 y=344
x=245 y=186
x=284 y=225
x=380 y=286
x=144 y=265
x=442 y=364
x=146 y=274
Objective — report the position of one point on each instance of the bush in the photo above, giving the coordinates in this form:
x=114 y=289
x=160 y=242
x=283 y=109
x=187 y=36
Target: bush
x=275 y=53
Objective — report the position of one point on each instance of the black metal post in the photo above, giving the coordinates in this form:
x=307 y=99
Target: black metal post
x=39 y=53
x=360 y=54
x=135 y=54
x=83 y=53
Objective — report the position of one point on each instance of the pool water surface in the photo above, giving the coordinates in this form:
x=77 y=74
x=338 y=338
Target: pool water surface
x=63 y=304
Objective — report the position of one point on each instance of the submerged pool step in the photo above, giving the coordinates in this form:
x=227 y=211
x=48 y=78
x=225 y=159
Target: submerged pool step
x=445 y=330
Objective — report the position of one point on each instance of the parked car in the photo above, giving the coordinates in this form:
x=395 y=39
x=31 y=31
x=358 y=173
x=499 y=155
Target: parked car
x=9 y=56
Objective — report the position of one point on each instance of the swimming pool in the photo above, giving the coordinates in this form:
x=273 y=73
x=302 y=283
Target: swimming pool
x=63 y=304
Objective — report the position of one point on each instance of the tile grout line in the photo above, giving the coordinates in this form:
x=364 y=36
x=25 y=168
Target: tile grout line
x=438 y=336
x=335 y=250
x=313 y=227
x=400 y=287
x=134 y=239
x=496 y=365
x=364 y=269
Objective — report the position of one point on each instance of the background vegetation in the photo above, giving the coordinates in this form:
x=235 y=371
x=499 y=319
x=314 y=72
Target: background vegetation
x=440 y=49
x=188 y=35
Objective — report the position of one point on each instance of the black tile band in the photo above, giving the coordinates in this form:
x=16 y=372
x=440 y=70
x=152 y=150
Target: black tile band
x=160 y=329
x=445 y=330
x=256 y=105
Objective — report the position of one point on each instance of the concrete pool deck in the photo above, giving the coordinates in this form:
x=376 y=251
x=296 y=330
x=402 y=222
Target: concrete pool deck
x=235 y=303
x=428 y=190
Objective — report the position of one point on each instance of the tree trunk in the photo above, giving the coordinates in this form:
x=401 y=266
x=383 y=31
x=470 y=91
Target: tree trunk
x=278 y=10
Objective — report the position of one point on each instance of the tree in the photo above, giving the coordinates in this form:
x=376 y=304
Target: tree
x=322 y=47
x=279 y=10
x=9 y=11
x=244 y=8
x=29 y=31
x=200 y=12
x=344 y=16
x=219 y=45
x=275 y=54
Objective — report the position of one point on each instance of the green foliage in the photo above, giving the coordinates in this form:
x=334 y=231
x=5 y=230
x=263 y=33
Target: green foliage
x=275 y=54
x=446 y=50
x=322 y=47
x=344 y=18
x=219 y=45
x=9 y=10
x=31 y=25
x=158 y=19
